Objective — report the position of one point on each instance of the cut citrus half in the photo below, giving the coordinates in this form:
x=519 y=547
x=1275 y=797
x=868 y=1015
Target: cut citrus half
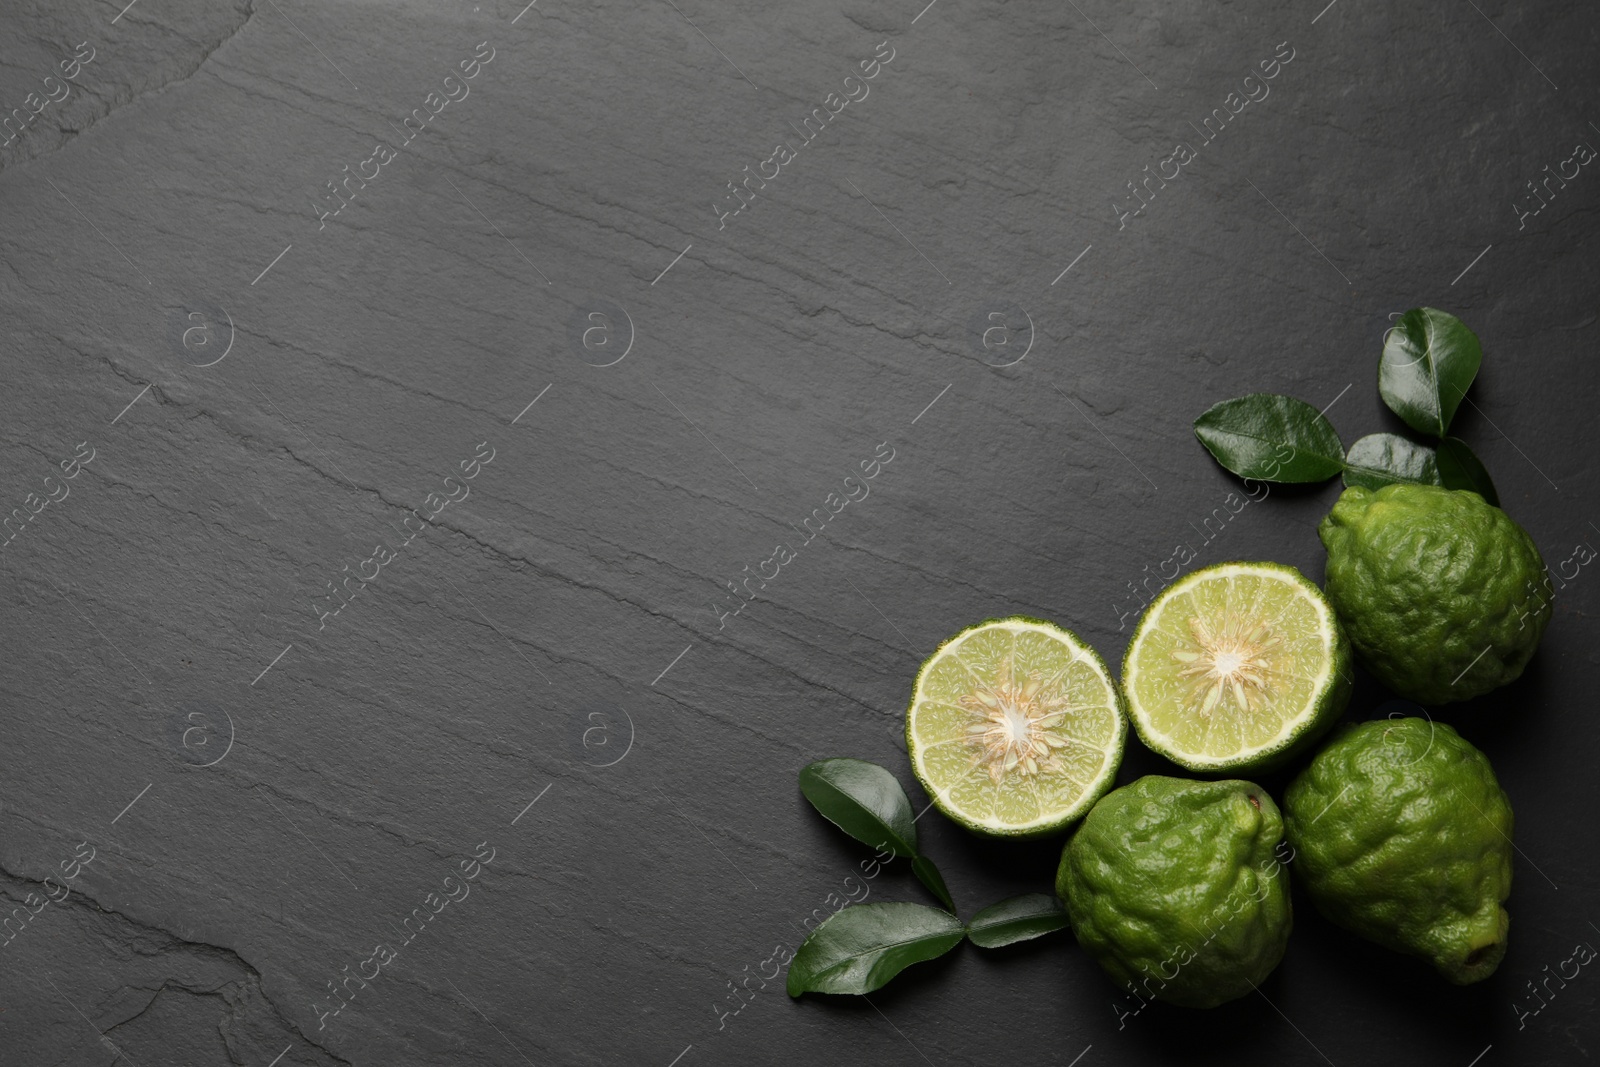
x=1236 y=667
x=1015 y=727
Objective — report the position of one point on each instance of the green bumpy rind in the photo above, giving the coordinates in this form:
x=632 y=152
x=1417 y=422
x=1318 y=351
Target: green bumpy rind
x=1444 y=596
x=1173 y=888
x=1402 y=834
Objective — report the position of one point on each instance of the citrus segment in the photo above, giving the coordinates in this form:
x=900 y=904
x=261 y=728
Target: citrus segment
x=1015 y=727
x=1236 y=666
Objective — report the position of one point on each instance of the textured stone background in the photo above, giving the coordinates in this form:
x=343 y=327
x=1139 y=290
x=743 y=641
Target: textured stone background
x=552 y=637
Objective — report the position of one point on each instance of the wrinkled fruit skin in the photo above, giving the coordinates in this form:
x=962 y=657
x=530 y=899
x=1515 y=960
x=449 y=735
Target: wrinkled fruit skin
x=1173 y=888
x=1402 y=835
x=1443 y=595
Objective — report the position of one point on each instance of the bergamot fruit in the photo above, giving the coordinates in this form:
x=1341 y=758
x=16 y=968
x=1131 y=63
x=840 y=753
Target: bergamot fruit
x=1402 y=835
x=1015 y=727
x=1236 y=667
x=1173 y=888
x=1443 y=595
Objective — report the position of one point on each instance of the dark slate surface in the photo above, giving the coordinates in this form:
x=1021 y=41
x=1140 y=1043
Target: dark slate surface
x=267 y=396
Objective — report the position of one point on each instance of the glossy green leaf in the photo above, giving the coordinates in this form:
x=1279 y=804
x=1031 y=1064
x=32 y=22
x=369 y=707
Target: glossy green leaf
x=1271 y=438
x=1459 y=468
x=929 y=875
x=1429 y=361
x=863 y=800
x=1017 y=919
x=1380 y=459
x=861 y=947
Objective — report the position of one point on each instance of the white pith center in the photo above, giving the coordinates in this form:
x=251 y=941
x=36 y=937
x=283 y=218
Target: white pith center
x=1234 y=657
x=1014 y=726
x=1227 y=662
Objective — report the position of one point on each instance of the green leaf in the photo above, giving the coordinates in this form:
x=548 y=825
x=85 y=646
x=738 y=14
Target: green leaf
x=1271 y=438
x=1381 y=459
x=929 y=875
x=863 y=800
x=1460 y=469
x=867 y=802
x=1017 y=919
x=861 y=947
x=1429 y=361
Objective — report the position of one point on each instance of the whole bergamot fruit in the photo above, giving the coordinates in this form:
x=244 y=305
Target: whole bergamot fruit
x=1443 y=596
x=1173 y=888
x=1402 y=834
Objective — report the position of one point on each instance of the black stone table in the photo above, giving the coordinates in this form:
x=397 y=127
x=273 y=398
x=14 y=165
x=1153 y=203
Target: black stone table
x=430 y=557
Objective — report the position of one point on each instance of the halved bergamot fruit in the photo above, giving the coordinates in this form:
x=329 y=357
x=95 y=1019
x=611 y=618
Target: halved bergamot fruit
x=1236 y=667
x=1015 y=727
